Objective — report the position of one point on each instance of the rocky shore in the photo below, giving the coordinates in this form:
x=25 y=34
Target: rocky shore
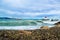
x=44 y=33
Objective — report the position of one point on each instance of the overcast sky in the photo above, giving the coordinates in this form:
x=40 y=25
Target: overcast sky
x=29 y=8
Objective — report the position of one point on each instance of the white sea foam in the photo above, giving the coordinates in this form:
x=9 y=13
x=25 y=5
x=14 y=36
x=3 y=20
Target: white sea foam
x=21 y=27
x=18 y=27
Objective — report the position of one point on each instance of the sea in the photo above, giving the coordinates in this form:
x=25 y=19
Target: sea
x=23 y=24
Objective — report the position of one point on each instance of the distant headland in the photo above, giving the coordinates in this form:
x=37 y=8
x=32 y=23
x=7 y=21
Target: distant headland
x=9 y=18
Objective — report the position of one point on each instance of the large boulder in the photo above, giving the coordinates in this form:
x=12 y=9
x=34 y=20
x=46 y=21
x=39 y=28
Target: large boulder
x=57 y=24
x=44 y=27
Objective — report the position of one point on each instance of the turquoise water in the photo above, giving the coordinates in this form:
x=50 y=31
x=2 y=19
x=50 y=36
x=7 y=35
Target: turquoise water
x=21 y=24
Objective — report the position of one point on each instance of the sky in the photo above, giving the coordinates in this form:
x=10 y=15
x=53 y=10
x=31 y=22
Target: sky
x=29 y=9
